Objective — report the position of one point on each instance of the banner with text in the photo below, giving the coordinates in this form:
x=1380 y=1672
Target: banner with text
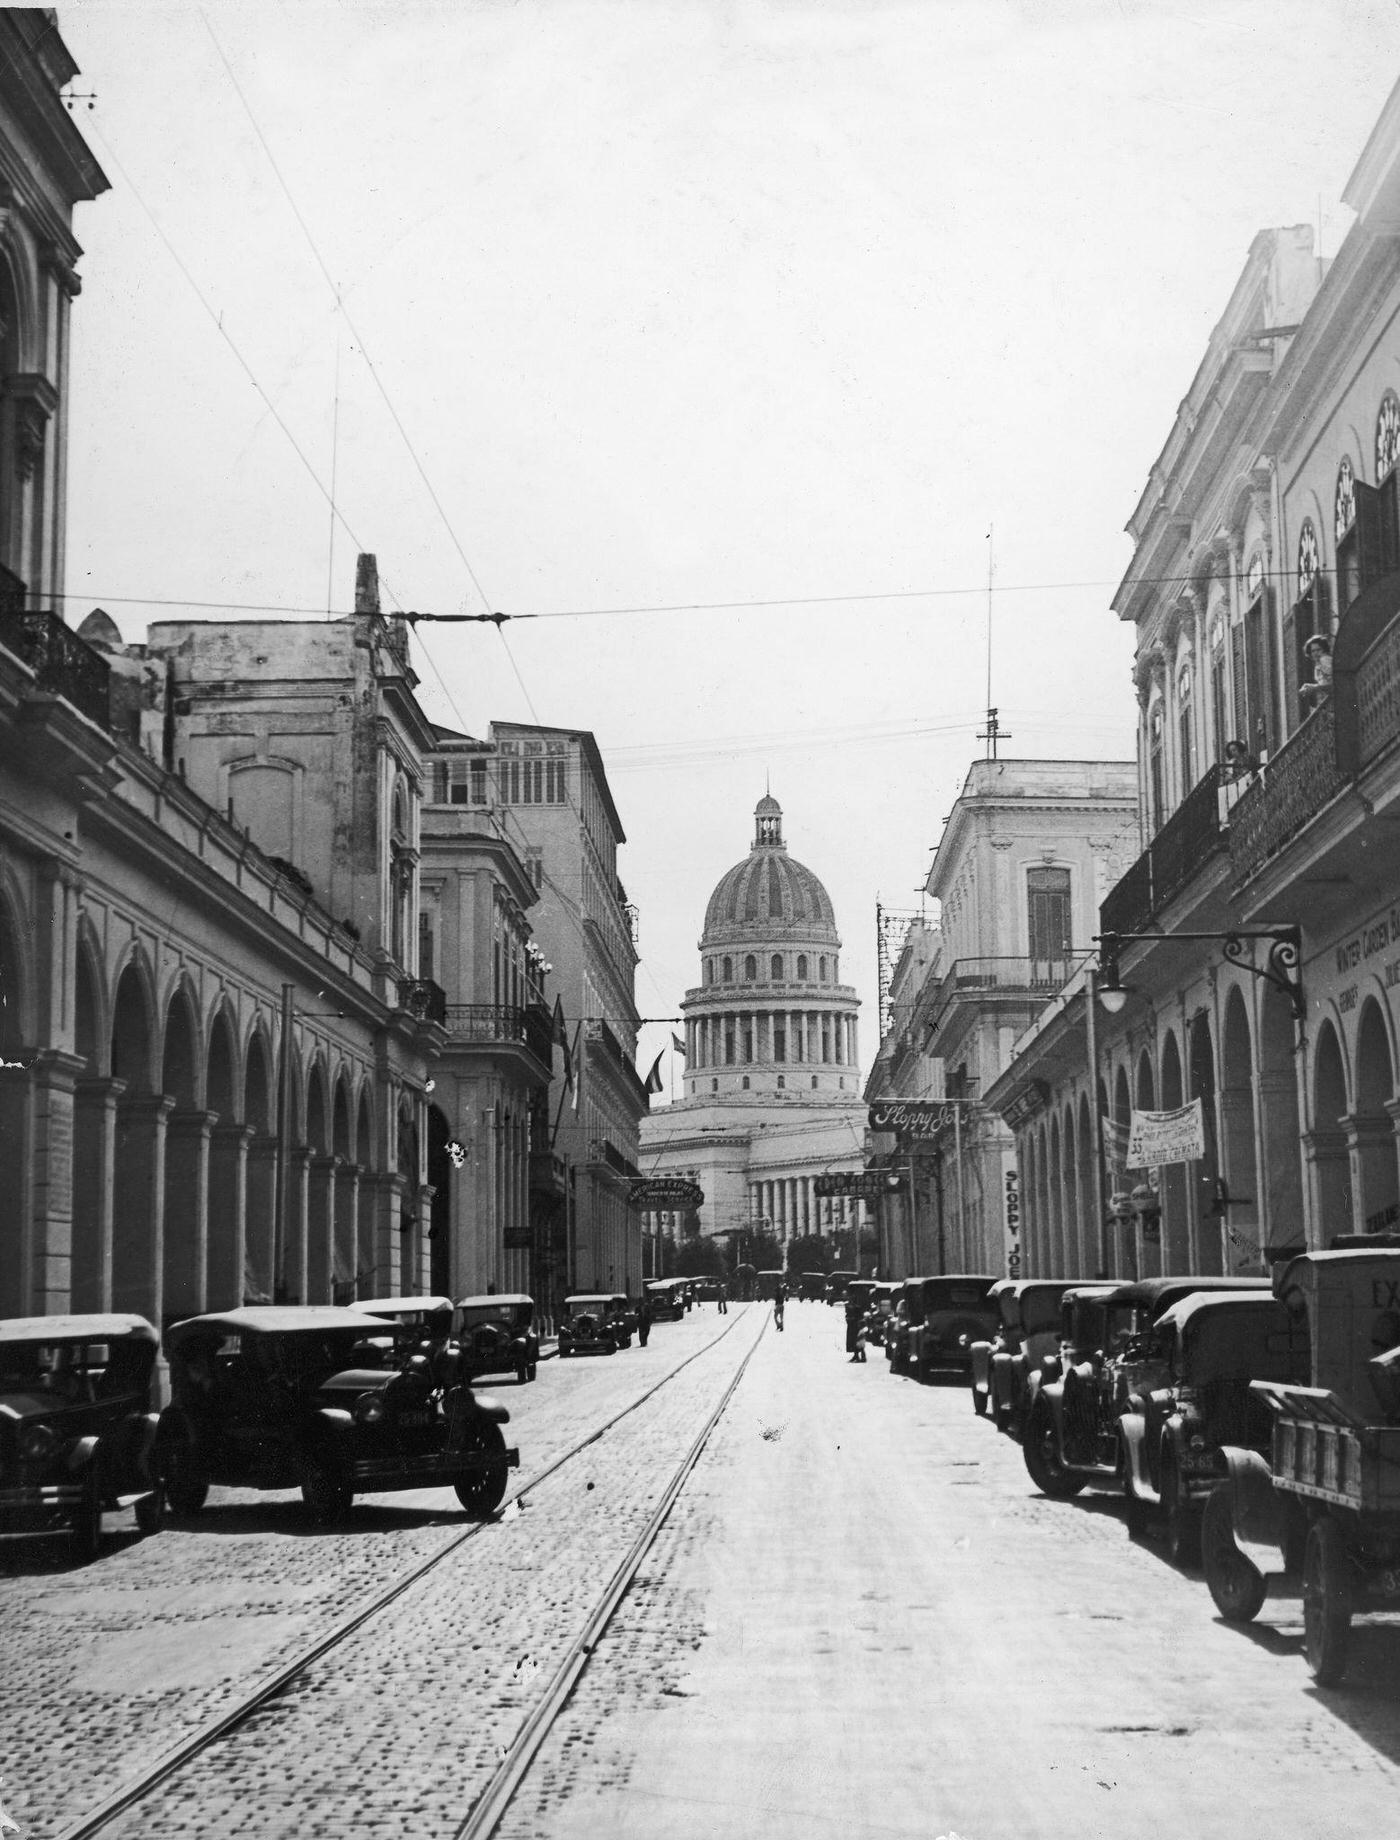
x=912 y=1118
x=1155 y=1138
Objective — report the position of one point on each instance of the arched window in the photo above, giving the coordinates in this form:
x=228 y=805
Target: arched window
x=821 y=967
x=750 y=967
x=1344 y=499
x=714 y=1085
x=782 y=1080
x=746 y=1082
x=1185 y=737
x=802 y=967
x=1387 y=434
x=1217 y=686
x=775 y=969
x=814 y=1080
x=728 y=970
x=1156 y=789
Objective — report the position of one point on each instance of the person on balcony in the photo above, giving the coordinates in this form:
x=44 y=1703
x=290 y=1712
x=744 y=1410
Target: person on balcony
x=1316 y=692
x=1238 y=770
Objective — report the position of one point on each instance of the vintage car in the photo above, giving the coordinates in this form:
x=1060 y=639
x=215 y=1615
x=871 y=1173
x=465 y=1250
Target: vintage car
x=834 y=1290
x=811 y=1286
x=955 y=1311
x=417 y=1324
x=1210 y=1347
x=863 y=1290
x=77 y=1429
x=285 y=1397
x=496 y=1334
x=881 y=1308
x=1030 y=1311
x=906 y=1313
x=979 y=1369
x=667 y=1298
x=1071 y=1439
x=766 y=1287
x=1324 y=1502
x=595 y=1322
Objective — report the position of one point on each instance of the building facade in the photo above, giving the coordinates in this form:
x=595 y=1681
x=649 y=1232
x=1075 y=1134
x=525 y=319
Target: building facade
x=772 y=1080
x=1029 y=850
x=1269 y=519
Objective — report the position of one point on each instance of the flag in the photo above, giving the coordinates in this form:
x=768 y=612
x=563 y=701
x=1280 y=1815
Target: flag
x=654 y=1077
x=678 y=1044
x=561 y=1040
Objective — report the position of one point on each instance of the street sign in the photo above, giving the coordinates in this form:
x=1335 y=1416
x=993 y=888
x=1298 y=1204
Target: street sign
x=666 y=1192
x=864 y=1184
x=912 y=1118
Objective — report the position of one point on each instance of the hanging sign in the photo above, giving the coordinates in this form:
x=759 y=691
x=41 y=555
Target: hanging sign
x=1155 y=1138
x=913 y=1118
x=666 y=1192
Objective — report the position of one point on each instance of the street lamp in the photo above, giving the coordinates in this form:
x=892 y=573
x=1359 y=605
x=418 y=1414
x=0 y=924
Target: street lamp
x=1279 y=969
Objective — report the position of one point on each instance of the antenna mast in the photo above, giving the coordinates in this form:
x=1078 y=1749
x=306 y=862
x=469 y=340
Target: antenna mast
x=992 y=733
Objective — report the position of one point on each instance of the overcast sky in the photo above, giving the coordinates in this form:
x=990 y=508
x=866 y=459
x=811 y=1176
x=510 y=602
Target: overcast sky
x=689 y=303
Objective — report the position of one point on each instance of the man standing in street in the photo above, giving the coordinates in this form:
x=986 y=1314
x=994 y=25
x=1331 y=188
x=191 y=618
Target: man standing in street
x=722 y=1298
x=643 y=1319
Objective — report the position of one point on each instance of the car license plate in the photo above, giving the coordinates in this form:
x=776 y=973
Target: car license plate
x=415 y=1421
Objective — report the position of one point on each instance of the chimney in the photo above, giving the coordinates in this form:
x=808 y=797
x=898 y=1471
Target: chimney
x=366 y=585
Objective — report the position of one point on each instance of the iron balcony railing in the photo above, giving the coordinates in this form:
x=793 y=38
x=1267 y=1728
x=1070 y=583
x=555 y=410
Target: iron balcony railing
x=63 y=664
x=494 y=1023
x=983 y=978
x=1186 y=842
x=1378 y=695
x=1295 y=785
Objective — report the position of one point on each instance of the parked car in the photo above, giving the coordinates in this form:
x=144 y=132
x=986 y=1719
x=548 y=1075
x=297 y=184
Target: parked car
x=496 y=1335
x=834 y=1290
x=954 y=1313
x=283 y=1397
x=418 y=1324
x=667 y=1296
x=705 y=1290
x=811 y=1286
x=1071 y=1439
x=1030 y=1312
x=1210 y=1346
x=881 y=1307
x=594 y=1322
x=905 y=1317
x=77 y=1428
x=1324 y=1501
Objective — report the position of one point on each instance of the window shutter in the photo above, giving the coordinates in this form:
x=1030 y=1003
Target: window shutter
x=1237 y=675
x=1297 y=624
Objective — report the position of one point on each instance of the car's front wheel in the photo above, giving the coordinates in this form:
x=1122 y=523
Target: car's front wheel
x=1235 y=1583
x=1044 y=1464
x=87 y=1522
x=326 y=1489
x=482 y=1489
x=182 y=1476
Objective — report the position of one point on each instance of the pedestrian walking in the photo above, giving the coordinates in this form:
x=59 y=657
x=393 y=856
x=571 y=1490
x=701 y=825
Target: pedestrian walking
x=855 y=1326
x=643 y=1320
x=779 y=1298
x=723 y=1300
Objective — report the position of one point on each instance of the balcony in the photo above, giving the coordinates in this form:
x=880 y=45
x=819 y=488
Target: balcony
x=985 y=980
x=501 y=1024
x=1185 y=843
x=1378 y=695
x=63 y=664
x=1295 y=785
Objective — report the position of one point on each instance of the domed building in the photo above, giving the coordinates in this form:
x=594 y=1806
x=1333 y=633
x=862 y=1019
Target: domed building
x=772 y=1081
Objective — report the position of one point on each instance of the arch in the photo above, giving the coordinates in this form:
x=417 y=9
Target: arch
x=1088 y=1199
x=441 y=1272
x=340 y=1119
x=364 y=1131
x=728 y=969
x=801 y=967
x=821 y=968
x=1280 y=1148
x=750 y=967
x=89 y=1031
x=221 y=1083
x=1030 y=1215
x=1149 y=1257
x=259 y=1092
x=1330 y=1165
x=1372 y=1131
x=317 y=1129
x=1057 y=1240
x=1072 y=1201
x=179 y=1061
x=1173 y=1190
x=775 y=968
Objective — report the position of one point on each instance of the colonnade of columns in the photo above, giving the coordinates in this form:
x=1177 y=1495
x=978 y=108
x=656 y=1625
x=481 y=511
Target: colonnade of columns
x=795 y=1210
x=736 y=1038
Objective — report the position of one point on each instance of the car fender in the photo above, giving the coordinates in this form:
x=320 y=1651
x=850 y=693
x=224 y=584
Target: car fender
x=1257 y=1509
x=1132 y=1436
x=326 y=1425
x=486 y=1405
x=82 y=1453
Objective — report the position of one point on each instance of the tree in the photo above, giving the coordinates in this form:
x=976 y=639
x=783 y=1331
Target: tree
x=810 y=1253
x=699 y=1258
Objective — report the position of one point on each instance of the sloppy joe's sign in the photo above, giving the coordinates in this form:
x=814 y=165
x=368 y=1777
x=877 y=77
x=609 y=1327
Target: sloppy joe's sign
x=913 y=1118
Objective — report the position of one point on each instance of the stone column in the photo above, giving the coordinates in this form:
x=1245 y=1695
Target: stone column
x=17 y=1271
x=323 y=1270
x=1371 y=1143
x=54 y=1075
x=228 y=1215
x=293 y=1281
x=259 y=1216
x=138 y=1205
x=1328 y=1168
x=94 y=1156
x=186 y=1237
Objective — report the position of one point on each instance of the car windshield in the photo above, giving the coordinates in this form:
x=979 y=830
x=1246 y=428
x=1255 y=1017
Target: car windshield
x=71 y=1371
x=305 y=1357
x=1040 y=1310
x=587 y=1306
x=955 y=1296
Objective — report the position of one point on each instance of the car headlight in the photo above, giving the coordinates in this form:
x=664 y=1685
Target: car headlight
x=370 y=1408
x=37 y=1442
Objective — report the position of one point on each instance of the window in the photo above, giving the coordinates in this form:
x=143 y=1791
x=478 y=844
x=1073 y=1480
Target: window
x=1217 y=686
x=1308 y=615
x=1184 y=735
x=714 y=1085
x=750 y=968
x=729 y=1047
x=779 y=1039
x=746 y=1083
x=802 y=967
x=425 y=945
x=1049 y=923
x=821 y=968
x=775 y=969
x=814 y=1081
x=748 y=1039
x=728 y=972
x=782 y=1081
x=1260 y=663
x=1156 y=790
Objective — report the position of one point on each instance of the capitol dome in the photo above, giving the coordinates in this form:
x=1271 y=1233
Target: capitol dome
x=768 y=896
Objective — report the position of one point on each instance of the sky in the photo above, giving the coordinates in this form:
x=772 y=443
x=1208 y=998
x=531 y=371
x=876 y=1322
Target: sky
x=727 y=346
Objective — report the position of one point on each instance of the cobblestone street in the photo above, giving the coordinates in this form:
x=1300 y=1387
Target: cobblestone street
x=859 y=1618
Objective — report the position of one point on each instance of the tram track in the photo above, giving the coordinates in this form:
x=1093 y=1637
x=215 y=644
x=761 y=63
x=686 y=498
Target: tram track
x=227 y=1722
